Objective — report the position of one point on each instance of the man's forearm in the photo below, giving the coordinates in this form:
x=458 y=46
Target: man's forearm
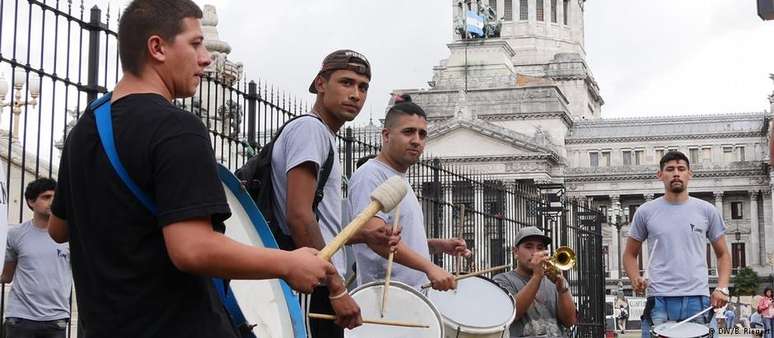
x=567 y=310
x=305 y=232
x=631 y=267
x=724 y=269
x=526 y=296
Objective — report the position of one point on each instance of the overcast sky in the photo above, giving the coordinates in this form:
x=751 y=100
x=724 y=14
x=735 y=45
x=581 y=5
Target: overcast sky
x=656 y=57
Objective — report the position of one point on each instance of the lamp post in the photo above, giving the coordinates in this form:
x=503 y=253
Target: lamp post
x=33 y=86
x=618 y=218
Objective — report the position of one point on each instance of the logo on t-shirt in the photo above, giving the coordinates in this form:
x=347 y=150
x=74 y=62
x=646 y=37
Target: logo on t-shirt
x=62 y=253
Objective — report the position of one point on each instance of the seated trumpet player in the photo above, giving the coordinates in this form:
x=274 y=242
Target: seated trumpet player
x=544 y=304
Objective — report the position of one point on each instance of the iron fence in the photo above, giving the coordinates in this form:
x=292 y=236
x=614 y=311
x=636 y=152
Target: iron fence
x=72 y=59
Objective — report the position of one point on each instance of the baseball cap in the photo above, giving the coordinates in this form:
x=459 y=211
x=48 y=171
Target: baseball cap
x=531 y=231
x=343 y=59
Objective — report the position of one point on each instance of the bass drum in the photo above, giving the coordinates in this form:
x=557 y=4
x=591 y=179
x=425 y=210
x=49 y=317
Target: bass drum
x=258 y=308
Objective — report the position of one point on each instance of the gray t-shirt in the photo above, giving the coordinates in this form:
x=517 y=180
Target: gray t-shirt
x=540 y=319
x=308 y=139
x=371 y=266
x=677 y=236
x=42 y=281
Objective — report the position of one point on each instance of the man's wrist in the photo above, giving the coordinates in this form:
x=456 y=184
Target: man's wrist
x=723 y=290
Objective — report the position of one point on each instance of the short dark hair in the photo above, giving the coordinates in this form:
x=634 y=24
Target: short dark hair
x=145 y=18
x=767 y=289
x=403 y=108
x=363 y=160
x=37 y=187
x=673 y=155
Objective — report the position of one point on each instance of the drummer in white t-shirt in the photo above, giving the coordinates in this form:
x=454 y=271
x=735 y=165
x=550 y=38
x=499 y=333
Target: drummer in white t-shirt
x=403 y=140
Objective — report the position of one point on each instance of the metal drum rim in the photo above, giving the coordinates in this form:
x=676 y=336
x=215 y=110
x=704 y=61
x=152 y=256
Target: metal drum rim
x=655 y=329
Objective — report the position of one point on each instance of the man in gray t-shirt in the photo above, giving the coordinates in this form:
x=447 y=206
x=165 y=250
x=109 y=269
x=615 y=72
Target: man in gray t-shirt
x=544 y=307
x=38 y=304
x=677 y=228
x=403 y=140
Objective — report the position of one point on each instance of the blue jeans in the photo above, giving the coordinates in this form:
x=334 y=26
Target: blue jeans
x=674 y=309
x=24 y=328
x=768 y=325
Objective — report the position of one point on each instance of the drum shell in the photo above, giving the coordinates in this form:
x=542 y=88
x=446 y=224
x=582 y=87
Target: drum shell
x=457 y=329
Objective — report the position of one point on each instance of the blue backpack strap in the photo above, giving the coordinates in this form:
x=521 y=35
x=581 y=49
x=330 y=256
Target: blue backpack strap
x=104 y=118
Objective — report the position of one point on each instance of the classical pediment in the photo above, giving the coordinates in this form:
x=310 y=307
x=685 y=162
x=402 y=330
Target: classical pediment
x=475 y=137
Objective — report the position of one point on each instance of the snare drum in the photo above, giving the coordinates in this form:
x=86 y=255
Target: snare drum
x=404 y=304
x=477 y=308
x=686 y=330
x=259 y=308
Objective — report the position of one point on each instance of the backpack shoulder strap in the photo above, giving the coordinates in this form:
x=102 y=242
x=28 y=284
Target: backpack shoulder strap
x=324 y=174
x=104 y=119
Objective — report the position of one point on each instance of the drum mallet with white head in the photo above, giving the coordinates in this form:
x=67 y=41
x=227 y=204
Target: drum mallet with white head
x=384 y=198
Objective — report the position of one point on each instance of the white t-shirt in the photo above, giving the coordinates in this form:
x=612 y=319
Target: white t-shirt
x=308 y=139
x=371 y=266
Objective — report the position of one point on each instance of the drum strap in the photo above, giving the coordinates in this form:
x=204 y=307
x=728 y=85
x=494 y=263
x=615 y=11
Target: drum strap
x=103 y=117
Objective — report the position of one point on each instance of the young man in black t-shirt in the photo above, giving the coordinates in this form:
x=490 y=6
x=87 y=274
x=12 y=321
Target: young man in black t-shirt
x=136 y=274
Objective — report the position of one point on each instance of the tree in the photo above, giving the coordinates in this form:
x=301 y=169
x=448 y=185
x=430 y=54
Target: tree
x=745 y=283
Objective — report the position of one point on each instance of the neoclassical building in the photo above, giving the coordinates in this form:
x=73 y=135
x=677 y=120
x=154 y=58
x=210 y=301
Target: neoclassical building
x=525 y=105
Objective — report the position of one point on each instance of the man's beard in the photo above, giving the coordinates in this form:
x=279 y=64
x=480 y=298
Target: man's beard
x=677 y=189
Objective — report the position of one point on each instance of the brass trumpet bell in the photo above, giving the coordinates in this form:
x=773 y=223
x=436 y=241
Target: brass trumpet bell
x=563 y=259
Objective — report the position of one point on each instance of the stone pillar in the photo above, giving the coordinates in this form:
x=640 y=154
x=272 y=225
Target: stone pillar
x=719 y=202
x=482 y=239
x=766 y=226
x=755 y=251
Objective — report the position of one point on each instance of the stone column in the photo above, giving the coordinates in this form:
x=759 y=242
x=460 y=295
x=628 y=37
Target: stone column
x=482 y=239
x=719 y=202
x=755 y=250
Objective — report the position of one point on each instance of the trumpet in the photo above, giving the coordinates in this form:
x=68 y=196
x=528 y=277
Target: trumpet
x=563 y=259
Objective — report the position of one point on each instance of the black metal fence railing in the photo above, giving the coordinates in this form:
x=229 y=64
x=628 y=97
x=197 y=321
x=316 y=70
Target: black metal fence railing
x=61 y=60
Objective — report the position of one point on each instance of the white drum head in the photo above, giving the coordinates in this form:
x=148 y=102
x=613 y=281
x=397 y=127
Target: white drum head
x=268 y=304
x=687 y=330
x=404 y=304
x=477 y=303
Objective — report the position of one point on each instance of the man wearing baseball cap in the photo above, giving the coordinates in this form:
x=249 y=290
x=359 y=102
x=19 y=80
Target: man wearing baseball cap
x=306 y=152
x=543 y=307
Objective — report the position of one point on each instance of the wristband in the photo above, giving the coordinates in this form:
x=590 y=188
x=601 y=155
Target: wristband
x=342 y=294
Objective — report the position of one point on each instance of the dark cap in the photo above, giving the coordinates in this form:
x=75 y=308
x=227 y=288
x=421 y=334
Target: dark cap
x=343 y=59
x=531 y=231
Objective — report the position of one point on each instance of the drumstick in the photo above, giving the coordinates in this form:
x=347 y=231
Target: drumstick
x=691 y=317
x=389 y=264
x=473 y=274
x=384 y=198
x=372 y=321
x=458 y=259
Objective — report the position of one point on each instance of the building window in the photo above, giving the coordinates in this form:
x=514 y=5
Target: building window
x=603 y=210
x=605 y=158
x=728 y=154
x=693 y=155
x=627 y=157
x=508 y=10
x=493 y=4
x=672 y=148
x=737 y=257
x=524 y=10
x=639 y=156
x=706 y=154
x=594 y=159
x=632 y=210
x=553 y=11
x=737 y=210
x=540 y=10
x=606 y=259
x=740 y=153
x=566 y=12
x=659 y=155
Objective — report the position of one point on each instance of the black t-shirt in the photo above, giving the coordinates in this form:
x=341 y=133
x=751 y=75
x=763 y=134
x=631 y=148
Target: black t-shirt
x=126 y=284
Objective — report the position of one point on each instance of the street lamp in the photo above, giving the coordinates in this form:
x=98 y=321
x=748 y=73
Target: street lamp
x=33 y=85
x=615 y=219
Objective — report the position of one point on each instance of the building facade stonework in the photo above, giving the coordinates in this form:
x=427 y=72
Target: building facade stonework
x=526 y=106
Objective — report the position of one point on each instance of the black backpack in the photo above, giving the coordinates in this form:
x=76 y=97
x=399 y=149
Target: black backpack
x=256 y=177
